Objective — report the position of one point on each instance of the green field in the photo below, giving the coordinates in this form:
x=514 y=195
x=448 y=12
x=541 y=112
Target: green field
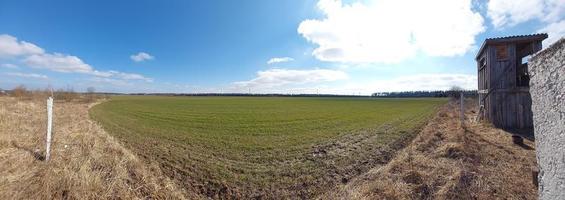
x=262 y=146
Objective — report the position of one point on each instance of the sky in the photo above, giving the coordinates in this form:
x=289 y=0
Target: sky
x=259 y=46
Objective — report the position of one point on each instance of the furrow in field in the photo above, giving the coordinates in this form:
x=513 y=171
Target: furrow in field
x=263 y=147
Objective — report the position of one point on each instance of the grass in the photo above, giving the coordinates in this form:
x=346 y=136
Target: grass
x=262 y=146
x=85 y=163
x=451 y=160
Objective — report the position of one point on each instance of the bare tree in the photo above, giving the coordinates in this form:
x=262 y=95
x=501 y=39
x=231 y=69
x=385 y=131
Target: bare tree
x=91 y=90
x=67 y=95
x=91 y=94
x=454 y=91
x=19 y=91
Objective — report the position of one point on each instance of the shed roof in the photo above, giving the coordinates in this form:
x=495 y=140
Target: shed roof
x=511 y=39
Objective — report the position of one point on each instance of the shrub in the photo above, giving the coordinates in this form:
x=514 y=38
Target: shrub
x=20 y=92
x=67 y=95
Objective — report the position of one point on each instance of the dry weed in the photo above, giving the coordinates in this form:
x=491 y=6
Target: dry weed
x=448 y=160
x=86 y=163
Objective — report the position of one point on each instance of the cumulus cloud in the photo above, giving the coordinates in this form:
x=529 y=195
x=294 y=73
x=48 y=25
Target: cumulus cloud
x=58 y=62
x=511 y=12
x=30 y=75
x=141 y=56
x=555 y=31
x=391 y=31
x=284 y=77
x=72 y=64
x=10 y=47
x=35 y=57
x=279 y=60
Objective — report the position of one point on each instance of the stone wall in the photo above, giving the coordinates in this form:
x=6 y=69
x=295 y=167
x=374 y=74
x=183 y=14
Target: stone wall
x=547 y=86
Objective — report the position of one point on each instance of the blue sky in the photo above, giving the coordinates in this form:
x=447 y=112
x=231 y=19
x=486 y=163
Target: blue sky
x=262 y=46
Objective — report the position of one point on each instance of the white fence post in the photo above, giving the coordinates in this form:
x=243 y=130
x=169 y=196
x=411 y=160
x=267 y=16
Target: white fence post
x=49 y=124
x=462 y=115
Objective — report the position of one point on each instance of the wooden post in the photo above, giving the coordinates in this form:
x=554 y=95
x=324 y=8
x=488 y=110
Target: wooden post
x=49 y=124
x=462 y=110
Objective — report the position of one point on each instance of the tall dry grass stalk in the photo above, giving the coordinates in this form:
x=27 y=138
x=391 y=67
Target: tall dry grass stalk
x=86 y=163
x=448 y=160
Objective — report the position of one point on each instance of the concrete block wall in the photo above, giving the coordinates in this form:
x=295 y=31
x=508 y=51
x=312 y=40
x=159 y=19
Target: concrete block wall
x=547 y=87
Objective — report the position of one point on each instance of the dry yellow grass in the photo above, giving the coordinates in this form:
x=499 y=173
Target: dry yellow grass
x=86 y=163
x=450 y=161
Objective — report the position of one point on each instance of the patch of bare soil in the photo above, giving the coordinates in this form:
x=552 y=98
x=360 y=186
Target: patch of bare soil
x=450 y=160
x=86 y=163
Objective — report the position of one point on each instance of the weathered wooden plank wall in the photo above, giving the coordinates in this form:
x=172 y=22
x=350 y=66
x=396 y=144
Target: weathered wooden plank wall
x=507 y=106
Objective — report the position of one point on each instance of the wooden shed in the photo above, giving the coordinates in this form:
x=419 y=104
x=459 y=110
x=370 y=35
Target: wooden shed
x=504 y=92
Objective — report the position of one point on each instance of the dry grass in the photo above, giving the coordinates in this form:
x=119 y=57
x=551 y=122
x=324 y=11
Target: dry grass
x=445 y=161
x=85 y=162
x=450 y=161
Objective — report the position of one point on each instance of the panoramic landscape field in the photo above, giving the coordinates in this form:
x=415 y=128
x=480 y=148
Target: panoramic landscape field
x=263 y=146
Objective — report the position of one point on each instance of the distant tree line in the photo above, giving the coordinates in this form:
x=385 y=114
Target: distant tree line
x=249 y=94
x=69 y=94
x=437 y=93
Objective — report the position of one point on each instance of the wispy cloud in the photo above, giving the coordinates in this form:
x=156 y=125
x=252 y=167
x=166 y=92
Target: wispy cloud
x=285 y=77
x=279 y=60
x=121 y=75
x=141 y=56
x=9 y=66
x=555 y=31
x=505 y=13
x=421 y=82
x=24 y=75
x=389 y=31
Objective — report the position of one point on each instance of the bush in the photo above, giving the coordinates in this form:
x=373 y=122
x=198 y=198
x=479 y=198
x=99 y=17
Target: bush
x=67 y=95
x=20 y=92
x=91 y=94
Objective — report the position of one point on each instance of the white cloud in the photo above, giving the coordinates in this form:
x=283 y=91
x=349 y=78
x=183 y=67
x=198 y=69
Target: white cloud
x=555 y=31
x=58 y=62
x=35 y=57
x=141 y=56
x=8 y=65
x=422 y=82
x=284 y=77
x=110 y=81
x=30 y=75
x=121 y=75
x=392 y=30
x=511 y=12
x=10 y=46
x=279 y=60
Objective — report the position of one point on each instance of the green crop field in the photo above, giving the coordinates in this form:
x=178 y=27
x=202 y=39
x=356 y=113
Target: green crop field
x=277 y=147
